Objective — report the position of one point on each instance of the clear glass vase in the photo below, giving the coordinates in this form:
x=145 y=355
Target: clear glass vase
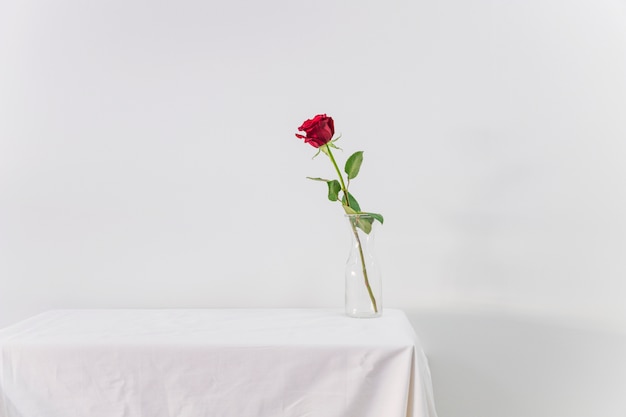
x=363 y=277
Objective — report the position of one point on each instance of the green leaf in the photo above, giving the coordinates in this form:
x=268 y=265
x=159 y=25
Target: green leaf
x=353 y=164
x=364 y=223
x=348 y=210
x=333 y=187
x=376 y=216
x=352 y=202
x=363 y=220
x=333 y=190
x=319 y=179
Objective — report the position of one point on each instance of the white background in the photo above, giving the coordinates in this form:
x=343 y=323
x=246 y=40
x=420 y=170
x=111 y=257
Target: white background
x=148 y=159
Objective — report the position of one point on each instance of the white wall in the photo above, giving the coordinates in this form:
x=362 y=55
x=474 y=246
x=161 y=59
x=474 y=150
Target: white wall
x=148 y=157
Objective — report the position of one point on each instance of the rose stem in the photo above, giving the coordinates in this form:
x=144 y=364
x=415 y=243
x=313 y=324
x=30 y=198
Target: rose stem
x=343 y=185
x=356 y=233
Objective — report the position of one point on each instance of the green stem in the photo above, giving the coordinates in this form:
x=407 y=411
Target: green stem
x=344 y=189
x=343 y=184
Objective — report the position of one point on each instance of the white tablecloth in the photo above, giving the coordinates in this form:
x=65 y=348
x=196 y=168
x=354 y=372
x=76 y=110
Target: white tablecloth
x=217 y=363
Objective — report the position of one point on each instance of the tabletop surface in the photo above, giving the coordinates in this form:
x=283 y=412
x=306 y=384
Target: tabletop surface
x=214 y=326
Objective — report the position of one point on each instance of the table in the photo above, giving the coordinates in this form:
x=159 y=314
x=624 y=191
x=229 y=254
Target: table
x=213 y=362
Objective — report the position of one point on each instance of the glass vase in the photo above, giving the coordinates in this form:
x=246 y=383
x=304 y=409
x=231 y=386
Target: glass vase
x=363 y=277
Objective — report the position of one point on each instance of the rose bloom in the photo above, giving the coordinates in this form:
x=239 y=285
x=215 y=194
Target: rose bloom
x=319 y=130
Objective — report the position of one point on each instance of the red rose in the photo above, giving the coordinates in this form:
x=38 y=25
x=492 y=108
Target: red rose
x=319 y=130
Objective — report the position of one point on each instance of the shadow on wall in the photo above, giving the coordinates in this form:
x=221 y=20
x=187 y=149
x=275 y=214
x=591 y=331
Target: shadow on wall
x=504 y=365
